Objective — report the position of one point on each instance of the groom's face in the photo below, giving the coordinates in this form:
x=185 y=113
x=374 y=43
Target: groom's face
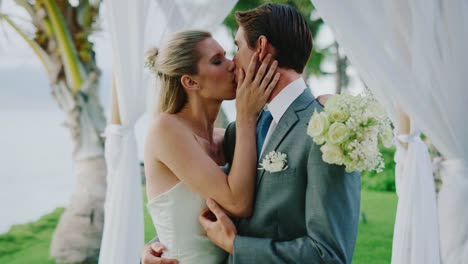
x=244 y=52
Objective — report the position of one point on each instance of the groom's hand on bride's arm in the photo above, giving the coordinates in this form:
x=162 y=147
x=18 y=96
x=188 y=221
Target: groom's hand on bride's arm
x=218 y=226
x=152 y=253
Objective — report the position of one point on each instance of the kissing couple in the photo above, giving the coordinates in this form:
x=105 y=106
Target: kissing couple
x=259 y=191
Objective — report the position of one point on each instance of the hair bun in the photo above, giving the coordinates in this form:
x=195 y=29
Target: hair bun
x=150 y=57
x=152 y=52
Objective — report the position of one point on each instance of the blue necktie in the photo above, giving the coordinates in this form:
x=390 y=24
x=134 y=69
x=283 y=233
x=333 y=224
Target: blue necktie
x=263 y=125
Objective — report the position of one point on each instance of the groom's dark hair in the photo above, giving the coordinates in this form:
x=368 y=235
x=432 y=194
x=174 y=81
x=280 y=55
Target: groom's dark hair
x=286 y=30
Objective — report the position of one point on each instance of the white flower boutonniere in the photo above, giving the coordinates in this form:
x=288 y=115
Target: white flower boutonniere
x=274 y=162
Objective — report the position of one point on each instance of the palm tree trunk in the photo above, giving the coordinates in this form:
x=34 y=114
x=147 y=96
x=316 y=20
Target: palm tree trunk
x=77 y=238
x=61 y=43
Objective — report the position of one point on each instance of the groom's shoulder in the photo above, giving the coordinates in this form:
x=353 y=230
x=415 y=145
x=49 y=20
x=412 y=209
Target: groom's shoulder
x=230 y=133
x=231 y=126
x=311 y=104
x=230 y=129
x=229 y=142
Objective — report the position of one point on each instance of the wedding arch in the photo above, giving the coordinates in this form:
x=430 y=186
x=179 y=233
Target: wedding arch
x=410 y=53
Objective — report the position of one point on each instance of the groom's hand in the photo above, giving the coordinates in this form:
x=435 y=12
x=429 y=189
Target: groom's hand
x=218 y=226
x=152 y=255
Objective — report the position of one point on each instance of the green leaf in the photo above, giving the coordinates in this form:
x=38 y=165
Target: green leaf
x=27 y=6
x=41 y=54
x=67 y=48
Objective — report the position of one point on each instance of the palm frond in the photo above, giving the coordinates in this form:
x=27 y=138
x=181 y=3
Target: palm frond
x=68 y=51
x=27 y=7
x=40 y=53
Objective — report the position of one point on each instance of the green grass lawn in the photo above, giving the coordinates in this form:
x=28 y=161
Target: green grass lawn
x=374 y=241
x=29 y=243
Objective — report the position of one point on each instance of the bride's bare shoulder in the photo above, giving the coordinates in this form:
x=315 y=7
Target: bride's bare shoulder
x=166 y=125
x=165 y=119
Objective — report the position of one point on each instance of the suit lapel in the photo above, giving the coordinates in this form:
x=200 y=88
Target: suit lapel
x=286 y=123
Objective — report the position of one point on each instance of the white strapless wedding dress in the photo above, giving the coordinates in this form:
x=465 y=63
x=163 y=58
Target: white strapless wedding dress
x=175 y=216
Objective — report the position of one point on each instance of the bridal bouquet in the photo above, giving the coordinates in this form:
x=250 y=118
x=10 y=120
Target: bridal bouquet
x=349 y=131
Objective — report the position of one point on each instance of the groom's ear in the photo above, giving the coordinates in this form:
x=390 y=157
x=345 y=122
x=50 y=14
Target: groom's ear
x=189 y=83
x=262 y=47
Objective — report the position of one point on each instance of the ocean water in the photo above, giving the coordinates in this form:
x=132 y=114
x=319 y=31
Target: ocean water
x=36 y=173
x=35 y=165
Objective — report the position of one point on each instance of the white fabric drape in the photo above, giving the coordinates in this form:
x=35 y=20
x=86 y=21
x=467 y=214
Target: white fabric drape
x=134 y=26
x=123 y=235
x=412 y=53
x=416 y=212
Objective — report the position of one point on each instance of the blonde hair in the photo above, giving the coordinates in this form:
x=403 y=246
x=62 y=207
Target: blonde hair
x=177 y=57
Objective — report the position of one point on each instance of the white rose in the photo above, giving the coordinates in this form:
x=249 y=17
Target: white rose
x=332 y=154
x=319 y=140
x=335 y=114
x=318 y=124
x=338 y=133
x=386 y=137
x=331 y=102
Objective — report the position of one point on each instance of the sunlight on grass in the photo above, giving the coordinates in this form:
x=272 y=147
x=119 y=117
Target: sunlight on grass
x=374 y=242
x=29 y=243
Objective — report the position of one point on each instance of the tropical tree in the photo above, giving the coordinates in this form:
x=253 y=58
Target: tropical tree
x=61 y=42
x=342 y=63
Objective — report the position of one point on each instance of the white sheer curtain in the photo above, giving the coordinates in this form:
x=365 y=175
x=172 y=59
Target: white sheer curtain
x=135 y=25
x=123 y=235
x=412 y=53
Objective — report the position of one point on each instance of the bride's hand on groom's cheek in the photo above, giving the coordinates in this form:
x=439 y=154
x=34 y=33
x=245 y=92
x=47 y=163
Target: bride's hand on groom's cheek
x=255 y=86
x=218 y=226
x=152 y=255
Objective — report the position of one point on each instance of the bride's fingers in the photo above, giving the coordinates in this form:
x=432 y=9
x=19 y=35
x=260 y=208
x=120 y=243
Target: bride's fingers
x=158 y=248
x=214 y=207
x=169 y=261
x=204 y=221
x=240 y=77
x=269 y=76
x=261 y=71
x=272 y=85
x=251 y=69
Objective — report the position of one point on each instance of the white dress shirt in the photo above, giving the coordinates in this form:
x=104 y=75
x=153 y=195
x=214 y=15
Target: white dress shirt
x=281 y=103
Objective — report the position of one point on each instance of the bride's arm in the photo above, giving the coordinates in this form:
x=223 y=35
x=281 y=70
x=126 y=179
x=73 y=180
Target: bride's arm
x=177 y=148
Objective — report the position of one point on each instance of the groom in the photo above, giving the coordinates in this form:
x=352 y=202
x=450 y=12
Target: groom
x=307 y=211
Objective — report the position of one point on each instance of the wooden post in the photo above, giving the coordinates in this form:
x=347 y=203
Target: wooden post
x=115 y=114
x=404 y=125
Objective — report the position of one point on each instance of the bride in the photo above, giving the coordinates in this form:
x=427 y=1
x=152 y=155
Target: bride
x=183 y=150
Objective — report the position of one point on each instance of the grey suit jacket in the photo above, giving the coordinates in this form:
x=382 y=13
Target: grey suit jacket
x=306 y=214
